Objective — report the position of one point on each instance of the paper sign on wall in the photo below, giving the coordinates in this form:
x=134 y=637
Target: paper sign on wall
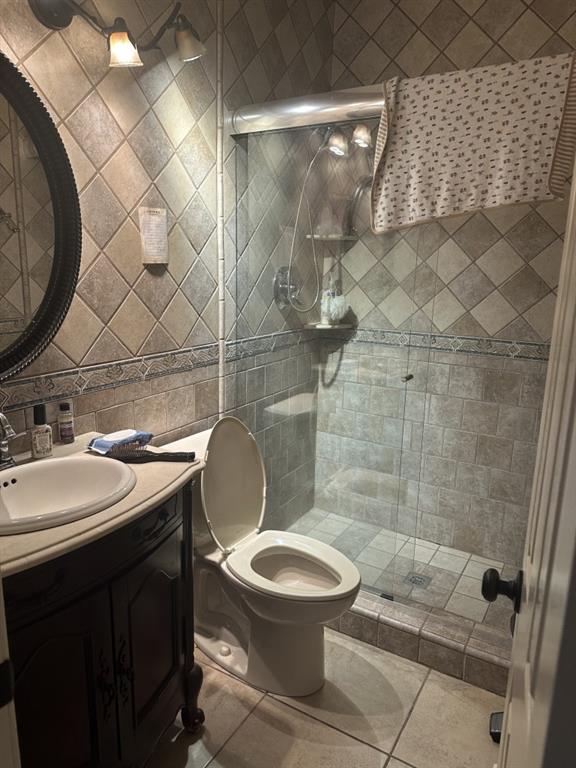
x=154 y=235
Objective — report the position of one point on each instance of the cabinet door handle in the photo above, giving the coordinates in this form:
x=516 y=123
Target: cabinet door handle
x=124 y=671
x=105 y=686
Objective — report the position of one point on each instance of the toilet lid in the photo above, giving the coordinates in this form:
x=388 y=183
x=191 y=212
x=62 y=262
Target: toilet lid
x=233 y=484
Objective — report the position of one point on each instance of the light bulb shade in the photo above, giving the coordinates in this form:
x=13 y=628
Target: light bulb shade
x=362 y=136
x=188 y=45
x=123 y=50
x=338 y=144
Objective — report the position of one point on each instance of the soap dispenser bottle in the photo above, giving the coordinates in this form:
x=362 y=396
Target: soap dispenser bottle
x=41 y=435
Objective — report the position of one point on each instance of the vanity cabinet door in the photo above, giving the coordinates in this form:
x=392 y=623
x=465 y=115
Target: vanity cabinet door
x=65 y=691
x=149 y=654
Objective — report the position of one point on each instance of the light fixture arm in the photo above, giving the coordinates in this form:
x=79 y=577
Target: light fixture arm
x=170 y=23
x=77 y=10
x=58 y=14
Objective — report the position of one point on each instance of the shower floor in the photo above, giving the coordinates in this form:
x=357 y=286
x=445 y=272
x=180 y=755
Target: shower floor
x=411 y=569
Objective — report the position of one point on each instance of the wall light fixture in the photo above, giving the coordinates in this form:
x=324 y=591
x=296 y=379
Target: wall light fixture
x=124 y=50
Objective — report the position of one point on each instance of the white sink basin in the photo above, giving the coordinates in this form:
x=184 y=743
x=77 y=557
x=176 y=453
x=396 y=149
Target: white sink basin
x=52 y=492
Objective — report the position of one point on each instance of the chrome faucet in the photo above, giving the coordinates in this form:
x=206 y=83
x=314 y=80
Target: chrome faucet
x=6 y=434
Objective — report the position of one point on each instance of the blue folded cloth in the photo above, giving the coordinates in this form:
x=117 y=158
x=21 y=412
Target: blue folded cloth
x=105 y=443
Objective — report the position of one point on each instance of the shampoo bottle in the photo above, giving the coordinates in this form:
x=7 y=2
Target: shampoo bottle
x=65 y=423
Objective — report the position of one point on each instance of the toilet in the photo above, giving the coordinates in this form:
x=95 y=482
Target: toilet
x=261 y=598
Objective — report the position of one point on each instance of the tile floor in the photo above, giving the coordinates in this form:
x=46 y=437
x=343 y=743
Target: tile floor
x=375 y=710
x=410 y=569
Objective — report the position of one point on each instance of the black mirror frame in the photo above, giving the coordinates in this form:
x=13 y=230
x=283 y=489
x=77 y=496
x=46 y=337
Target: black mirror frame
x=67 y=221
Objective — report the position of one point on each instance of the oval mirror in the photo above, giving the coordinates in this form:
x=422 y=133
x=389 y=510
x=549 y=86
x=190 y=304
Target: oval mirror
x=40 y=227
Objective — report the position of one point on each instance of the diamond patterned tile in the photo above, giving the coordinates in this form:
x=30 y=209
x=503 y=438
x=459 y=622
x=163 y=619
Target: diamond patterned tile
x=124 y=97
x=103 y=288
x=530 y=236
x=174 y=114
x=58 y=74
x=495 y=17
x=156 y=287
x=541 y=316
x=106 y=349
x=124 y=251
x=182 y=254
x=449 y=261
x=102 y=214
x=476 y=236
x=554 y=12
x=132 y=323
x=175 y=186
x=444 y=23
x=95 y=129
x=506 y=216
x=471 y=286
x=526 y=36
x=358 y=261
x=126 y=176
x=198 y=286
x=524 y=289
x=419 y=51
x=493 y=313
x=444 y=309
x=469 y=46
x=394 y=33
x=417 y=10
x=500 y=262
x=400 y=261
x=197 y=222
x=547 y=263
x=151 y=145
x=398 y=307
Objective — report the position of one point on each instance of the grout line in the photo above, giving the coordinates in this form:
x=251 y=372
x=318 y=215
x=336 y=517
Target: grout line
x=240 y=724
x=426 y=678
x=288 y=705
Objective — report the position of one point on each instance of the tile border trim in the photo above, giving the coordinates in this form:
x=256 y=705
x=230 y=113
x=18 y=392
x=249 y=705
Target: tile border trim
x=438 y=342
x=436 y=639
x=24 y=392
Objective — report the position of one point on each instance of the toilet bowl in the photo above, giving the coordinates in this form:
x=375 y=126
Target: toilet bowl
x=261 y=598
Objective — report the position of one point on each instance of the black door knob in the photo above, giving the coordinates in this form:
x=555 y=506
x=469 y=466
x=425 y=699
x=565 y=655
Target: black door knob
x=493 y=585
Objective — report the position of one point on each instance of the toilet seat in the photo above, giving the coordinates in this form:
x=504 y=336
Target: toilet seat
x=282 y=565
x=293 y=567
x=233 y=484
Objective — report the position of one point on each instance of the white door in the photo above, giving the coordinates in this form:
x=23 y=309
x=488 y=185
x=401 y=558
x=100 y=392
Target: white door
x=8 y=736
x=540 y=722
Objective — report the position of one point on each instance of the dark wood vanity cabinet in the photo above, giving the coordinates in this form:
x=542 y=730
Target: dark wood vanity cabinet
x=102 y=644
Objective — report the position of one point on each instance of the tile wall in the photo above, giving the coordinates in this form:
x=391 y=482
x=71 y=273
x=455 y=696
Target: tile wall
x=274 y=393
x=467 y=448
x=147 y=350
x=447 y=457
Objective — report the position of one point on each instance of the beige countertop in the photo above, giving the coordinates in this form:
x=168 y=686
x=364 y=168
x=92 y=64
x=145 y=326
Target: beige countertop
x=155 y=482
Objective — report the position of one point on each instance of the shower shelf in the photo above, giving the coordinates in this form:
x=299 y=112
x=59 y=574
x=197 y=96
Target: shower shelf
x=333 y=238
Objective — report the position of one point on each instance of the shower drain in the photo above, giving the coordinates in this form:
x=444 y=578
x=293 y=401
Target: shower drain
x=417 y=579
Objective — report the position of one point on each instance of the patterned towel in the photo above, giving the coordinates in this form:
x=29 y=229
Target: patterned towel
x=461 y=141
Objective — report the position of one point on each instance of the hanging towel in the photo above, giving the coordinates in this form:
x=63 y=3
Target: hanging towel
x=462 y=141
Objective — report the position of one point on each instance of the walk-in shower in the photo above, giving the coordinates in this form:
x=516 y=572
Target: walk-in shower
x=404 y=436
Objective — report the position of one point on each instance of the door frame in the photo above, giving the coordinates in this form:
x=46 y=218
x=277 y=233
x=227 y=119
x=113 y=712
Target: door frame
x=538 y=729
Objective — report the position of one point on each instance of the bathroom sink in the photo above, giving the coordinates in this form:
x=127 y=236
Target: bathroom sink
x=52 y=492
